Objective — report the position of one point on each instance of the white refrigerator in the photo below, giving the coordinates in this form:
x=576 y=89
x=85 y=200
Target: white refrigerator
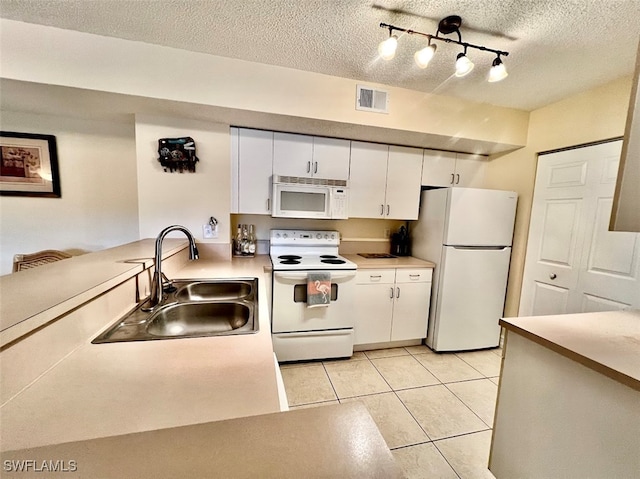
x=467 y=233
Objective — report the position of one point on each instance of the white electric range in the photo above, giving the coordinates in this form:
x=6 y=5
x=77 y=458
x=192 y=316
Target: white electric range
x=300 y=332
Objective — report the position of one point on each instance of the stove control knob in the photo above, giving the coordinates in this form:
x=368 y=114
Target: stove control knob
x=318 y=236
x=326 y=236
x=277 y=235
x=285 y=235
x=333 y=236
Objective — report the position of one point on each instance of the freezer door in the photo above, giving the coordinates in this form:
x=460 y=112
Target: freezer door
x=470 y=298
x=479 y=217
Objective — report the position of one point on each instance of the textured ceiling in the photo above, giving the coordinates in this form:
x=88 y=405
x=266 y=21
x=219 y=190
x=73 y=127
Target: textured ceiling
x=557 y=48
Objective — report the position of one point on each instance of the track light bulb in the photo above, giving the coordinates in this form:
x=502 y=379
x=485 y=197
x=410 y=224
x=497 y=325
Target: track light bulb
x=463 y=65
x=424 y=56
x=498 y=71
x=387 y=48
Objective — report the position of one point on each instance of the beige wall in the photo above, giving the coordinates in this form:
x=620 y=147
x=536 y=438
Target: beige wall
x=594 y=115
x=188 y=199
x=98 y=207
x=47 y=55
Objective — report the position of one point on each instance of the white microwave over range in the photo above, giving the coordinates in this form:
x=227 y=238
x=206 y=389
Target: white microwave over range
x=296 y=197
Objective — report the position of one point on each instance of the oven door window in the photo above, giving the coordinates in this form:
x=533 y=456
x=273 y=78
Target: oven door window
x=313 y=202
x=300 y=293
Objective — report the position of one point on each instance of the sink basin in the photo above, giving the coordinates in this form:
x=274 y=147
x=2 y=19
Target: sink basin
x=192 y=308
x=199 y=319
x=207 y=290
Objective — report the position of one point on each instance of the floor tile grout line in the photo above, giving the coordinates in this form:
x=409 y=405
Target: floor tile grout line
x=471 y=365
x=434 y=442
x=467 y=406
x=330 y=382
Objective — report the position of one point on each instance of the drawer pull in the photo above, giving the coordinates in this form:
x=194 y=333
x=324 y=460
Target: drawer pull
x=414 y=276
x=375 y=276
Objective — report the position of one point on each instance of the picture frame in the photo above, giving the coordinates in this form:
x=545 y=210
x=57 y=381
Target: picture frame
x=29 y=165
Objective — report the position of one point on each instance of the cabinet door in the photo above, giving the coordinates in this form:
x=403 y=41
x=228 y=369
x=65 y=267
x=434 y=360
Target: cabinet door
x=331 y=158
x=255 y=158
x=367 y=180
x=438 y=168
x=404 y=171
x=292 y=154
x=373 y=314
x=410 y=311
x=470 y=170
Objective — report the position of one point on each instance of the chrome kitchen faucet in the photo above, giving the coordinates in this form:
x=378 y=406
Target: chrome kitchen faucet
x=157 y=291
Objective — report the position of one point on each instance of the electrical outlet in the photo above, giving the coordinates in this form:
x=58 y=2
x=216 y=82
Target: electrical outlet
x=387 y=232
x=209 y=231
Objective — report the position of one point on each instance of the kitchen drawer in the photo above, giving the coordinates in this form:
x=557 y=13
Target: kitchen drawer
x=374 y=276
x=422 y=275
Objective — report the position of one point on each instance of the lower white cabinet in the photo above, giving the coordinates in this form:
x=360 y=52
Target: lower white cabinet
x=392 y=305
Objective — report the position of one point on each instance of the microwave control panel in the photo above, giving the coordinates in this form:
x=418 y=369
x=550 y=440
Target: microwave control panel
x=339 y=203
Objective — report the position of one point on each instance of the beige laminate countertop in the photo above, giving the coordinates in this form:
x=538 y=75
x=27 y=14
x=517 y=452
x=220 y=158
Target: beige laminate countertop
x=101 y=390
x=28 y=301
x=388 y=263
x=607 y=342
x=339 y=441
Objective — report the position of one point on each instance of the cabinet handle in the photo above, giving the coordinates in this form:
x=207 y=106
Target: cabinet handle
x=308 y=167
x=268 y=204
x=414 y=276
x=398 y=293
x=453 y=177
x=458 y=179
x=381 y=210
x=388 y=209
x=391 y=293
x=372 y=276
x=315 y=167
x=553 y=276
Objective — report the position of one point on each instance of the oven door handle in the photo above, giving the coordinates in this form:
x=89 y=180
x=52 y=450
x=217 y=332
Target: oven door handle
x=303 y=275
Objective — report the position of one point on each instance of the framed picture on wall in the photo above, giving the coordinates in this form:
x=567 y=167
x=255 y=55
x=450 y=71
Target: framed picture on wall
x=28 y=165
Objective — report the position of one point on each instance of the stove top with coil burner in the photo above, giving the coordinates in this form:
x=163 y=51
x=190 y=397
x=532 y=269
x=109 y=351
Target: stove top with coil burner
x=307 y=250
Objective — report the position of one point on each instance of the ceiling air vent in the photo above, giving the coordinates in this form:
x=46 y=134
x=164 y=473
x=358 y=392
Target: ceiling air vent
x=368 y=99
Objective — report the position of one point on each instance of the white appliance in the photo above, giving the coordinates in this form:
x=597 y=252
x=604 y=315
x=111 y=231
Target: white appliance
x=299 y=332
x=296 y=197
x=467 y=232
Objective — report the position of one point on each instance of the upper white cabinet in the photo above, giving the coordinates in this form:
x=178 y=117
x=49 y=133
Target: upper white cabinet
x=368 y=180
x=403 y=183
x=443 y=168
x=252 y=159
x=308 y=156
x=384 y=181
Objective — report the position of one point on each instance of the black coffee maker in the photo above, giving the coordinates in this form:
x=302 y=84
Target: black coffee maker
x=400 y=243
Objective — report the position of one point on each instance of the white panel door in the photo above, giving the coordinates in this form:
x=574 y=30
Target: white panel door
x=373 y=313
x=609 y=270
x=573 y=263
x=403 y=183
x=480 y=217
x=331 y=158
x=368 y=180
x=470 y=299
x=292 y=154
x=410 y=311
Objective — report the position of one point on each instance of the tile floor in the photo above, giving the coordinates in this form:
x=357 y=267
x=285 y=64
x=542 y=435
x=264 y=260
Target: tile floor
x=435 y=411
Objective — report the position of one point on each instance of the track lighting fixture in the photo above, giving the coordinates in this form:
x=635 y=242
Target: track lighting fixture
x=498 y=71
x=446 y=26
x=424 y=56
x=463 y=64
x=387 y=48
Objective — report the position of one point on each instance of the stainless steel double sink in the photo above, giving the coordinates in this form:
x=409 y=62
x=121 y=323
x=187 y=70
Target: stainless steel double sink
x=190 y=309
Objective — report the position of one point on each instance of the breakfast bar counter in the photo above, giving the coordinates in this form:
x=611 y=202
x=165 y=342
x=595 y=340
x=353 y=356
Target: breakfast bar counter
x=569 y=397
